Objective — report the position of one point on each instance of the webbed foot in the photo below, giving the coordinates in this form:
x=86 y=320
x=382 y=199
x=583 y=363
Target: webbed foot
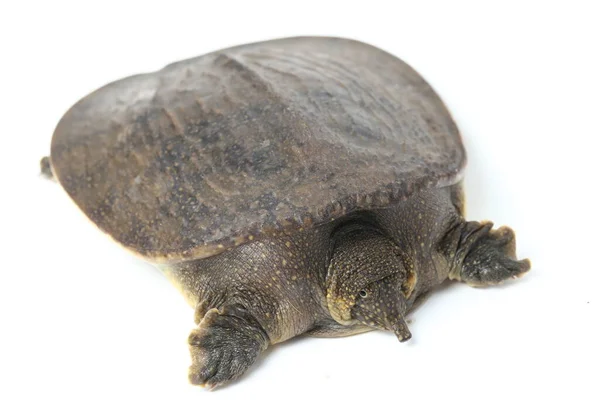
x=46 y=168
x=224 y=346
x=487 y=257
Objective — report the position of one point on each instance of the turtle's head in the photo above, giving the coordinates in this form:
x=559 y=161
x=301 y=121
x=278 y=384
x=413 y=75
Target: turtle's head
x=369 y=280
x=382 y=305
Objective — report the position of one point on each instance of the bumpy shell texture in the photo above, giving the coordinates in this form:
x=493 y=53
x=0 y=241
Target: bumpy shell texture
x=269 y=137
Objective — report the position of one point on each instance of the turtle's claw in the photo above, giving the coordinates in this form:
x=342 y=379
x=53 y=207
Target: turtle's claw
x=222 y=349
x=490 y=256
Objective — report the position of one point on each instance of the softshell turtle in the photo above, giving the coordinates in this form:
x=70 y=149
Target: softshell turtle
x=305 y=185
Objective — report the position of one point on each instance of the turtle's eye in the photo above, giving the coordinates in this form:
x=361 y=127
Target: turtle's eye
x=363 y=293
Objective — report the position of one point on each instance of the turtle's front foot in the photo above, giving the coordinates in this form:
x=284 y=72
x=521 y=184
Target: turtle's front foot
x=487 y=257
x=224 y=346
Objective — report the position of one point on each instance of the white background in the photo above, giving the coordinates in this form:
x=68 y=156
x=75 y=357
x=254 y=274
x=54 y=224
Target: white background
x=83 y=319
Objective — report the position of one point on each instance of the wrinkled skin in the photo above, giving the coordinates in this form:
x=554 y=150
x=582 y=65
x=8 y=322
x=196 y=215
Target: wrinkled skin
x=357 y=274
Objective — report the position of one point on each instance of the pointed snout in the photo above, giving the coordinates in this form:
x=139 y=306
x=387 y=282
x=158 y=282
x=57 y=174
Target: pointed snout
x=401 y=330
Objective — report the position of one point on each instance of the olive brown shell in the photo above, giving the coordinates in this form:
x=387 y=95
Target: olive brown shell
x=253 y=140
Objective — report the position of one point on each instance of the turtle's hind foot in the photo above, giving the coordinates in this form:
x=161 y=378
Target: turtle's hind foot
x=46 y=168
